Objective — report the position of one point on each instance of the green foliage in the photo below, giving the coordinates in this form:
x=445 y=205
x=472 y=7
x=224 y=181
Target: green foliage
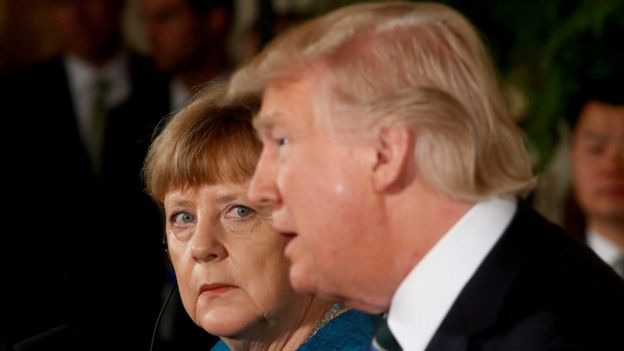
x=585 y=46
x=547 y=49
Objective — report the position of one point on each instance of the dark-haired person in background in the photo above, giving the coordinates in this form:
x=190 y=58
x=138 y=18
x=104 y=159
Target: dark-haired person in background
x=188 y=41
x=597 y=162
x=85 y=264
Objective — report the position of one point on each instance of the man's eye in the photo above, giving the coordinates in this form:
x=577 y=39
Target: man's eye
x=182 y=218
x=281 y=141
x=595 y=149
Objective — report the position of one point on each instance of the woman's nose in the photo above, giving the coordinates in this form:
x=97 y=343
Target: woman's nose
x=206 y=244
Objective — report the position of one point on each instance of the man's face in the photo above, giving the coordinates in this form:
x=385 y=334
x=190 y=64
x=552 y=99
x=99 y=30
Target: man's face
x=175 y=34
x=319 y=187
x=88 y=28
x=597 y=156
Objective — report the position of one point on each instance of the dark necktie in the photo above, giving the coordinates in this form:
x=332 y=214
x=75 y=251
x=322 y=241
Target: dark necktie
x=99 y=113
x=384 y=340
x=618 y=265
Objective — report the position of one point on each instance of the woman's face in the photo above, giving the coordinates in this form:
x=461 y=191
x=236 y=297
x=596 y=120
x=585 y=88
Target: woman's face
x=232 y=275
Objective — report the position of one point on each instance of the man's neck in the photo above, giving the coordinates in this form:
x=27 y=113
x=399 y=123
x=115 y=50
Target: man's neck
x=611 y=229
x=437 y=214
x=102 y=56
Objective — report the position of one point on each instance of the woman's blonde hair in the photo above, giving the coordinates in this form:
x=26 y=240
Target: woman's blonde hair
x=207 y=142
x=420 y=64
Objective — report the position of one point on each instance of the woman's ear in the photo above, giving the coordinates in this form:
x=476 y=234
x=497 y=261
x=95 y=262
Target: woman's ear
x=395 y=150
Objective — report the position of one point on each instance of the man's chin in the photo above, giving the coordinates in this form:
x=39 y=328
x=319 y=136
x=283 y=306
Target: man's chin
x=306 y=287
x=301 y=283
x=610 y=213
x=365 y=307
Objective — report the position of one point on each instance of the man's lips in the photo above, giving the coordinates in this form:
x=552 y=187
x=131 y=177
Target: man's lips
x=216 y=288
x=289 y=235
x=612 y=191
x=285 y=232
x=289 y=250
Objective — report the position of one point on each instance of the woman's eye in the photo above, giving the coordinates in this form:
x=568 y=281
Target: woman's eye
x=281 y=141
x=240 y=212
x=182 y=218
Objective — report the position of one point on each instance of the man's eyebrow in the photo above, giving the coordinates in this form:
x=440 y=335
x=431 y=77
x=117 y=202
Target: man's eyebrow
x=594 y=135
x=264 y=121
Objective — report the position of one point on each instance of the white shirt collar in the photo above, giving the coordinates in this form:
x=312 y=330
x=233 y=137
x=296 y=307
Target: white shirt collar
x=604 y=248
x=83 y=75
x=82 y=78
x=426 y=295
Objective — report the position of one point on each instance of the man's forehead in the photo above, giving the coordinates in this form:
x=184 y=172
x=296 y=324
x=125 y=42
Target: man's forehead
x=265 y=121
x=282 y=99
x=605 y=124
x=597 y=111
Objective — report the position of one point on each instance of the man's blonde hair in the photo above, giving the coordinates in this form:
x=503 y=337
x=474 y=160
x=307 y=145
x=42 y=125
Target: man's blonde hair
x=420 y=64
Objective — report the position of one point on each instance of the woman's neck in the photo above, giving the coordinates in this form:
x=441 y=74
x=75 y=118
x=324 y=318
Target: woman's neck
x=287 y=337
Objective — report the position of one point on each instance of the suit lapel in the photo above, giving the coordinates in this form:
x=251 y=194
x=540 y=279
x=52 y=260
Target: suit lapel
x=479 y=303
x=65 y=120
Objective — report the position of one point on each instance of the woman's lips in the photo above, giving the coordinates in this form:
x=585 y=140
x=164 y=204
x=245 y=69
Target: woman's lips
x=216 y=288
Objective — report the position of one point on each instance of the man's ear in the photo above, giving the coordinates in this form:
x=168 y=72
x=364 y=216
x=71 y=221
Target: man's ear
x=395 y=150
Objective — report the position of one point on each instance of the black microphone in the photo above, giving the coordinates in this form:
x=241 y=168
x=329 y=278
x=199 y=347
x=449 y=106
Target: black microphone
x=160 y=314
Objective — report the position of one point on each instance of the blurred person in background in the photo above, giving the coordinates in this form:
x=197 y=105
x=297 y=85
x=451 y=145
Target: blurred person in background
x=597 y=164
x=188 y=41
x=87 y=267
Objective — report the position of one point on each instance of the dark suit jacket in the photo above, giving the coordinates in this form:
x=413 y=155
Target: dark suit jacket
x=87 y=247
x=538 y=289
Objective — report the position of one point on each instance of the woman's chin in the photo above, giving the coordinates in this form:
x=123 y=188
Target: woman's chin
x=225 y=323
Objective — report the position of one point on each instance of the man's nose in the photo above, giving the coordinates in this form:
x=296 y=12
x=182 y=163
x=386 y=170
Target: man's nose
x=263 y=190
x=613 y=162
